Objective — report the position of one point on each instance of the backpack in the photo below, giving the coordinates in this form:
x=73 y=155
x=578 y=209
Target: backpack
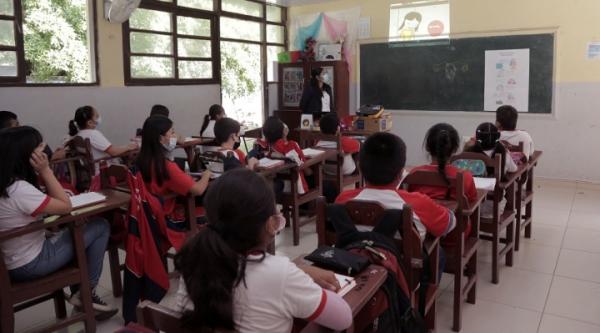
x=476 y=167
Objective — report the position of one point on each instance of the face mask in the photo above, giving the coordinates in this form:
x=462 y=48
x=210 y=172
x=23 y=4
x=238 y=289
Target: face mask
x=171 y=145
x=325 y=77
x=98 y=121
x=236 y=143
x=281 y=221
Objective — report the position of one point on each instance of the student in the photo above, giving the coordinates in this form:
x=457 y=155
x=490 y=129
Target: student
x=161 y=175
x=9 y=120
x=382 y=159
x=441 y=142
x=275 y=133
x=487 y=141
x=33 y=256
x=250 y=290
x=215 y=113
x=85 y=124
x=317 y=97
x=330 y=125
x=506 y=121
x=227 y=136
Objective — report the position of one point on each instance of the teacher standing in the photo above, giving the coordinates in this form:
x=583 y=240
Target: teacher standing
x=317 y=96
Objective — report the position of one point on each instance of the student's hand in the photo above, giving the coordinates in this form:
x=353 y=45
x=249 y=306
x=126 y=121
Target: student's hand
x=59 y=154
x=39 y=160
x=132 y=146
x=252 y=163
x=206 y=174
x=325 y=279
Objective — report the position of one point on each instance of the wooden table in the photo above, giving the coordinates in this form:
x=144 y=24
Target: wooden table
x=368 y=282
x=526 y=179
x=190 y=144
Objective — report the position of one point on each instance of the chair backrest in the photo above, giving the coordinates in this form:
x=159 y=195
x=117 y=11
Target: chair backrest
x=493 y=164
x=161 y=319
x=86 y=169
x=114 y=175
x=435 y=179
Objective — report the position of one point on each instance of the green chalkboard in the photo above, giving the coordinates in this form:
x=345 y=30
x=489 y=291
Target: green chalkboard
x=448 y=75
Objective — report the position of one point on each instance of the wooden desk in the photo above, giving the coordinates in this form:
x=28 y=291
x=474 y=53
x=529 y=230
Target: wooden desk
x=368 y=282
x=190 y=144
x=525 y=199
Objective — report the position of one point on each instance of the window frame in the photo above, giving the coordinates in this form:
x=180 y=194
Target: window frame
x=21 y=79
x=175 y=11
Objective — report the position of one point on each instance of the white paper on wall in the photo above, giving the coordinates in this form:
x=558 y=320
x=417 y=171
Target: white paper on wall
x=506 y=79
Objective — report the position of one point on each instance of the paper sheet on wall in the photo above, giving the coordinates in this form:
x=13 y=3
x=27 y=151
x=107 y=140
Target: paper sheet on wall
x=593 y=51
x=506 y=79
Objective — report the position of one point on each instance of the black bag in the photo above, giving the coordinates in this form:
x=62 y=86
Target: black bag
x=338 y=260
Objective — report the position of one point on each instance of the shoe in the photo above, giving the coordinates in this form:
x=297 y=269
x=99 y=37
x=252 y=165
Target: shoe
x=103 y=310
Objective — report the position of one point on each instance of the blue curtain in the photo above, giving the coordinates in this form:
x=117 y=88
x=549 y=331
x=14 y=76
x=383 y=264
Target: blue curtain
x=309 y=31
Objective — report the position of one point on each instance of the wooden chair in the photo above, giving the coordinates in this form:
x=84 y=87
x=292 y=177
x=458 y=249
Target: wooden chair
x=492 y=227
x=412 y=249
x=15 y=296
x=337 y=164
x=158 y=318
x=291 y=201
x=461 y=258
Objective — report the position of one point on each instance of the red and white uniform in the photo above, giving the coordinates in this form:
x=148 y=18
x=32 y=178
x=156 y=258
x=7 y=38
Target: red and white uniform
x=291 y=149
x=436 y=192
x=179 y=182
x=237 y=153
x=349 y=146
x=428 y=216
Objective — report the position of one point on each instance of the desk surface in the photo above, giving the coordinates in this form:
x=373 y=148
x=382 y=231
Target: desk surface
x=367 y=284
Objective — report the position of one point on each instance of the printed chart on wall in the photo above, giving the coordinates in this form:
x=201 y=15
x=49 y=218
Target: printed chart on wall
x=506 y=79
x=421 y=20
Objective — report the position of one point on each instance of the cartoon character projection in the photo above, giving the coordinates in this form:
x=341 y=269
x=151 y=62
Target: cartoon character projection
x=410 y=25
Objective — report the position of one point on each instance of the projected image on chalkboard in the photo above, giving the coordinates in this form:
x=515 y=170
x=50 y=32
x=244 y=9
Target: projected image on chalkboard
x=419 y=21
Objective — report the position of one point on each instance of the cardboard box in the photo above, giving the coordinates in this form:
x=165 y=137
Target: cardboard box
x=380 y=124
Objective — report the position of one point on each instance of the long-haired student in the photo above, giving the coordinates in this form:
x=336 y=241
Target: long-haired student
x=161 y=175
x=23 y=168
x=215 y=112
x=250 y=290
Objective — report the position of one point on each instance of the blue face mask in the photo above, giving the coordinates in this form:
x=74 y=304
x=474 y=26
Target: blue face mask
x=171 y=145
x=98 y=121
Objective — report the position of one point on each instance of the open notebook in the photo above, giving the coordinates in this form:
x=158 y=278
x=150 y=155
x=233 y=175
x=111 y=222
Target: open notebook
x=86 y=199
x=266 y=162
x=482 y=183
x=347 y=283
x=310 y=153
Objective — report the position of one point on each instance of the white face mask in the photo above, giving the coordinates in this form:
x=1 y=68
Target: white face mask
x=325 y=78
x=281 y=221
x=98 y=121
x=172 y=144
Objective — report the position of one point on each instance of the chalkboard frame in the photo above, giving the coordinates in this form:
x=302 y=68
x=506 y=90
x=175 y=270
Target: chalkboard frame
x=542 y=86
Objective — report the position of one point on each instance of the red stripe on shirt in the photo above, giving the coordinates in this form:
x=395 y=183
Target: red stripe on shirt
x=320 y=308
x=41 y=207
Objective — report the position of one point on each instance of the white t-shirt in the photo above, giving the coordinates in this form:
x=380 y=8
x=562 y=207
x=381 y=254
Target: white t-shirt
x=23 y=204
x=276 y=291
x=517 y=136
x=209 y=132
x=348 y=167
x=326 y=100
x=98 y=141
x=509 y=166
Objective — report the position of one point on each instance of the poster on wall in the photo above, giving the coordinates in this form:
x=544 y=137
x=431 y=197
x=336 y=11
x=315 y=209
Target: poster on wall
x=420 y=20
x=293 y=85
x=506 y=79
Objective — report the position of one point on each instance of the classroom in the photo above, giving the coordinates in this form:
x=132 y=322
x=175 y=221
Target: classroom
x=299 y=166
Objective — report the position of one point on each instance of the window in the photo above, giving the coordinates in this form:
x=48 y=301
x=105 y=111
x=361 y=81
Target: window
x=47 y=42
x=166 y=44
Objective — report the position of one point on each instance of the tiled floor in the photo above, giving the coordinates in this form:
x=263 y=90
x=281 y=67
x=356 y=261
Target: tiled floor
x=554 y=285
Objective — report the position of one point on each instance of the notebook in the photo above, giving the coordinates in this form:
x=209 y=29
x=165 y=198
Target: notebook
x=482 y=183
x=86 y=199
x=266 y=162
x=347 y=283
x=310 y=153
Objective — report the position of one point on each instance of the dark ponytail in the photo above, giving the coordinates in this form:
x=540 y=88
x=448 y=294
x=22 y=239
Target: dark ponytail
x=441 y=141
x=214 y=111
x=212 y=263
x=82 y=116
x=487 y=137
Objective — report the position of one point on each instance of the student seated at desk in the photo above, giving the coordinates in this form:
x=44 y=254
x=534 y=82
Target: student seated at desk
x=9 y=119
x=250 y=290
x=382 y=159
x=163 y=111
x=330 y=125
x=85 y=124
x=215 y=113
x=506 y=121
x=23 y=168
x=227 y=136
x=487 y=141
x=162 y=176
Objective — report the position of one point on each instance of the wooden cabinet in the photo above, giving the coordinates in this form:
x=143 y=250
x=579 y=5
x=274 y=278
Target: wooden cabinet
x=294 y=77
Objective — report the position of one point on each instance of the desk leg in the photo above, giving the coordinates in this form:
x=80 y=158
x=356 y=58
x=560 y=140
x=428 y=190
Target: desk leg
x=510 y=228
x=518 y=218
x=85 y=290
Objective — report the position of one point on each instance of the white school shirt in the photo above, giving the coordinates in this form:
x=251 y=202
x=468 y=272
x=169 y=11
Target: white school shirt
x=98 y=142
x=509 y=166
x=209 y=132
x=326 y=101
x=275 y=292
x=22 y=206
x=348 y=167
x=516 y=136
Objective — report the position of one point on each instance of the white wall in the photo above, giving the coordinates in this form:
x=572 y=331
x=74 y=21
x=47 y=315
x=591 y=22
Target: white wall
x=123 y=109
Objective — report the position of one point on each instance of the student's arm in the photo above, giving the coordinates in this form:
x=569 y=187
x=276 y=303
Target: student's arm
x=59 y=154
x=200 y=186
x=437 y=219
x=100 y=142
x=120 y=150
x=510 y=165
x=59 y=202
